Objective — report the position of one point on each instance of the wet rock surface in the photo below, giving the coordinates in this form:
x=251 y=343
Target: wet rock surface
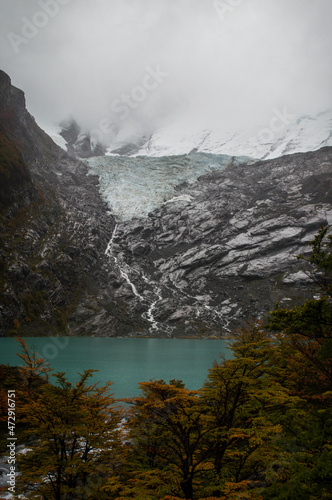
x=79 y=142
x=54 y=275
x=221 y=251
x=227 y=251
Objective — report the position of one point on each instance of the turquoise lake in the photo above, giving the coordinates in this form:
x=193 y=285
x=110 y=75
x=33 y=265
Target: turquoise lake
x=125 y=362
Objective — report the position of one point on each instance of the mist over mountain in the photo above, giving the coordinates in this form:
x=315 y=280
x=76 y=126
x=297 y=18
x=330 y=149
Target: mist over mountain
x=220 y=69
x=166 y=173
x=205 y=131
x=173 y=253
x=283 y=134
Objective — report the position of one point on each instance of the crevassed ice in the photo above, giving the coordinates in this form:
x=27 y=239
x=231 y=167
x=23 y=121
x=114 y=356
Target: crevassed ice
x=134 y=186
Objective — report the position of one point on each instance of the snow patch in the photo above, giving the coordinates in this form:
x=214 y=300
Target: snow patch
x=303 y=134
x=53 y=132
x=299 y=277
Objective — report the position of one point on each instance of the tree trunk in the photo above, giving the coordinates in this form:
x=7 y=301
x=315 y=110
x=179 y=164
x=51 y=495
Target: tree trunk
x=187 y=488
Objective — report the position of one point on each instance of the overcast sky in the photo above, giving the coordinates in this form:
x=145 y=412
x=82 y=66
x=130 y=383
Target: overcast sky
x=229 y=63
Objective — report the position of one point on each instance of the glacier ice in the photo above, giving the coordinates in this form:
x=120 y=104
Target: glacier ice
x=135 y=186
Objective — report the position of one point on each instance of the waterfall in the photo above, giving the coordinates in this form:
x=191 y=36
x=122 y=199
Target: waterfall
x=148 y=315
x=124 y=275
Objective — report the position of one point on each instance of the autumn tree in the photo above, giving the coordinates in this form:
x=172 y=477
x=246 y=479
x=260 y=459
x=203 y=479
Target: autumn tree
x=243 y=408
x=304 y=364
x=35 y=367
x=211 y=443
x=24 y=380
x=76 y=440
x=169 y=444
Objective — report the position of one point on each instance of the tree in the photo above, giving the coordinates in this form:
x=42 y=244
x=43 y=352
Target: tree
x=212 y=443
x=169 y=437
x=35 y=367
x=303 y=359
x=244 y=404
x=77 y=440
x=308 y=328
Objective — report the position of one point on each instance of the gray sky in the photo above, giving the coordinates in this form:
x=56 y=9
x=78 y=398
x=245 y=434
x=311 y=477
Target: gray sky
x=229 y=63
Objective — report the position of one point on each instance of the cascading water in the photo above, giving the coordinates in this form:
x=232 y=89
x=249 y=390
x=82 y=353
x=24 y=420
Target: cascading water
x=134 y=187
x=149 y=313
x=124 y=275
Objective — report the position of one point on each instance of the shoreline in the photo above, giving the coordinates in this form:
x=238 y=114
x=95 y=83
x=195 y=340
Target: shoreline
x=180 y=337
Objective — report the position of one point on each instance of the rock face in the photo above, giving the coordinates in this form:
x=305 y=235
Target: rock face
x=225 y=250
x=54 y=232
x=221 y=251
x=79 y=142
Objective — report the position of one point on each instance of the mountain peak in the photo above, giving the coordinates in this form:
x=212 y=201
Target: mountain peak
x=283 y=134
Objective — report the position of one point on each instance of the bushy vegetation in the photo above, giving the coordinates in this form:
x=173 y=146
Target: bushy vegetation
x=259 y=428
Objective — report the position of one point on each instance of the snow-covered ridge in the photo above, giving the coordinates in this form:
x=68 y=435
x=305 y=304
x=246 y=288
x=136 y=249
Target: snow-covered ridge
x=53 y=131
x=282 y=135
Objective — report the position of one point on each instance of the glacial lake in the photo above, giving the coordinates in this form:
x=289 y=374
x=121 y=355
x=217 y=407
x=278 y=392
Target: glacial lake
x=124 y=361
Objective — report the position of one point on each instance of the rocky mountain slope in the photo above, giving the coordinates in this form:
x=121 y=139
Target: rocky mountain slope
x=54 y=229
x=211 y=253
x=224 y=250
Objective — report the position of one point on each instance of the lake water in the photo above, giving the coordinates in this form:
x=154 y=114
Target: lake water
x=125 y=362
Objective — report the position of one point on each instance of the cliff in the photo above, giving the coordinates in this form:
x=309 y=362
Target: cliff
x=221 y=251
x=54 y=231
x=224 y=249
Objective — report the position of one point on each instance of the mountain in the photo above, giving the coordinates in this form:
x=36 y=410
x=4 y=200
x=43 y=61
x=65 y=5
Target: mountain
x=83 y=143
x=54 y=229
x=283 y=134
x=188 y=245
x=224 y=249
x=74 y=139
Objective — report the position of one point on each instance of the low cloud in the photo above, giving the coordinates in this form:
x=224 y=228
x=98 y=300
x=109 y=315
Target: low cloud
x=229 y=70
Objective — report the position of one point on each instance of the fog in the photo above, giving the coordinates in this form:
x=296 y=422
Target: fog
x=224 y=62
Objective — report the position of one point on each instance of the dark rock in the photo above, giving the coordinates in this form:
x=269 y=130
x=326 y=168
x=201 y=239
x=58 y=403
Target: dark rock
x=54 y=231
x=240 y=234
x=79 y=144
x=141 y=249
x=70 y=130
x=82 y=146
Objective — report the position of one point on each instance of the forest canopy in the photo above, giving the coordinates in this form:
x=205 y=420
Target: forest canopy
x=259 y=428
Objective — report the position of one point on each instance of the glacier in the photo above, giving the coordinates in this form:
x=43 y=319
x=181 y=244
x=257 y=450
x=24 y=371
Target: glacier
x=183 y=136
x=135 y=186
x=302 y=134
